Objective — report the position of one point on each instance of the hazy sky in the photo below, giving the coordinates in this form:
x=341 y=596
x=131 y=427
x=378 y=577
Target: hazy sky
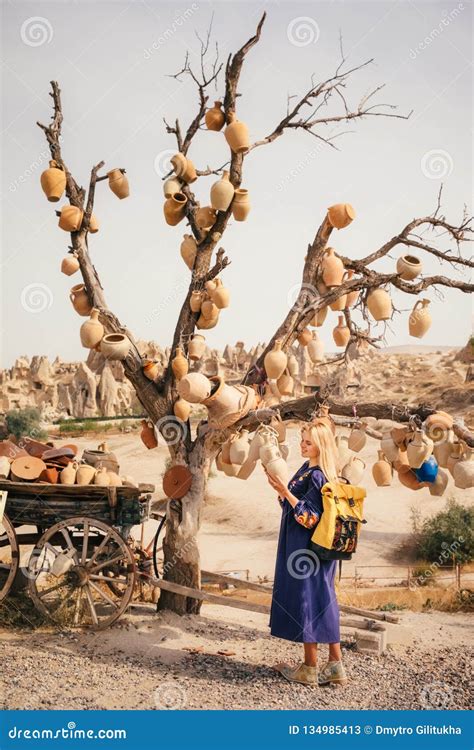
x=112 y=60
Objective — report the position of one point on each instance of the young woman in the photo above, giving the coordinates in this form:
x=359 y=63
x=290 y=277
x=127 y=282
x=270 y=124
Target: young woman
x=304 y=605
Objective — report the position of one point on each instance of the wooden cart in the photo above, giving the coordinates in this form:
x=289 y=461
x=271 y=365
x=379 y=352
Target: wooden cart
x=81 y=570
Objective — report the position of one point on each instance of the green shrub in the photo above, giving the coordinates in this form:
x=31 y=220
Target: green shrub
x=25 y=423
x=448 y=534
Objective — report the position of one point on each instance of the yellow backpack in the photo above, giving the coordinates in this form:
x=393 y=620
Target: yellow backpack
x=337 y=533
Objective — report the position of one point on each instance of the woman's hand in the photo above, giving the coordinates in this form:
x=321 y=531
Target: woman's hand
x=277 y=484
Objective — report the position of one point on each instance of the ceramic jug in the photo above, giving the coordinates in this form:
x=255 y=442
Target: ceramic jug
x=215 y=117
x=320 y=317
x=357 y=438
x=188 y=250
x=92 y=330
x=80 y=300
x=85 y=474
x=174 y=209
x=194 y=387
x=419 y=321
x=182 y=409
x=148 y=435
x=68 y=474
x=69 y=264
x=316 y=348
x=179 y=364
x=171 y=186
x=220 y=295
x=332 y=268
x=340 y=215
x=196 y=347
x=382 y=471
x=53 y=182
x=222 y=193
x=275 y=361
x=241 y=204
x=341 y=333
x=237 y=134
x=118 y=183
x=70 y=218
x=239 y=448
x=379 y=304
x=419 y=448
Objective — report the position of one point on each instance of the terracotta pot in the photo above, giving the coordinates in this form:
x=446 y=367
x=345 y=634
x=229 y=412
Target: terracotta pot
x=209 y=310
x=118 y=183
x=101 y=457
x=80 y=300
x=341 y=333
x=332 y=268
x=463 y=472
x=85 y=474
x=379 y=304
x=194 y=387
x=184 y=168
x=454 y=457
x=222 y=193
x=316 y=348
x=340 y=215
x=406 y=476
x=304 y=337
x=188 y=250
x=68 y=474
x=389 y=447
x=4 y=467
x=285 y=384
x=114 y=479
x=438 y=487
x=351 y=297
x=237 y=135
x=196 y=347
x=438 y=425
x=220 y=295
x=419 y=448
x=228 y=403
x=443 y=449
x=382 y=471
x=69 y=264
x=210 y=286
x=205 y=217
x=92 y=330
x=408 y=267
x=357 y=439
x=419 y=321
x=400 y=436
x=71 y=218
x=182 y=409
x=101 y=478
x=174 y=209
x=320 y=317
x=275 y=361
x=171 y=186
x=179 y=364
x=339 y=304
x=49 y=475
x=241 y=204
x=278 y=468
x=353 y=471
x=115 y=346
x=196 y=300
x=239 y=448
x=293 y=366
x=93 y=224
x=151 y=369
x=205 y=324
x=246 y=469
x=53 y=182
x=148 y=435
x=215 y=117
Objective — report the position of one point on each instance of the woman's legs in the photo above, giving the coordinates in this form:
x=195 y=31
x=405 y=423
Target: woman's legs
x=310 y=654
x=335 y=652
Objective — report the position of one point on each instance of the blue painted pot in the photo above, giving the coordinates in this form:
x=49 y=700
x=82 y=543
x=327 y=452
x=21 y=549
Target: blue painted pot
x=428 y=470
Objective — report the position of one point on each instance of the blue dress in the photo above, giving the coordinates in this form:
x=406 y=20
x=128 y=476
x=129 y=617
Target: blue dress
x=304 y=605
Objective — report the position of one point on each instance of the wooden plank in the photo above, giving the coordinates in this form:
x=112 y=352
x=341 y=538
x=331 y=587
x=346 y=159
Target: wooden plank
x=239 y=583
x=76 y=491
x=175 y=588
x=369 y=613
x=363 y=624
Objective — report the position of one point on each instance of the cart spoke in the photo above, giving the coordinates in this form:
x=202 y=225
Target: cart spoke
x=91 y=604
x=77 y=608
x=110 y=561
x=43 y=593
x=52 y=549
x=69 y=543
x=100 y=547
x=115 y=579
x=85 y=541
x=103 y=594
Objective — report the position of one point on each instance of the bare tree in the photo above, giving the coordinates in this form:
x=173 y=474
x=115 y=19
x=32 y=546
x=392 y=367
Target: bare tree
x=308 y=113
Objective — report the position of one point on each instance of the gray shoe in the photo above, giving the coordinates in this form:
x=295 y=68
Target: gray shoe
x=333 y=672
x=302 y=674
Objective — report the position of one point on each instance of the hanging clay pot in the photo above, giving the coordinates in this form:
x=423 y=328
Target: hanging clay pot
x=428 y=470
x=341 y=333
x=85 y=474
x=196 y=299
x=340 y=215
x=179 y=364
x=357 y=438
x=293 y=366
x=215 y=117
x=93 y=224
x=188 y=250
x=118 y=183
x=353 y=471
x=246 y=469
x=339 y=304
x=182 y=409
x=351 y=297
x=239 y=448
x=68 y=474
x=332 y=268
x=379 y=304
x=209 y=310
x=206 y=324
x=455 y=456
x=389 y=447
x=101 y=478
x=419 y=321
x=228 y=403
x=148 y=435
x=419 y=449
x=438 y=425
x=174 y=209
x=320 y=317
x=278 y=468
x=171 y=186
x=285 y=384
x=275 y=361
x=69 y=264
x=115 y=346
x=92 y=330
x=316 y=348
x=184 y=168
x=210 y=286
x=408 y=267
x=196 y=347
x=194 y=387
x=151 y=369
x=237 y=134
x=443 y=449
x=400 y=436
x=439 y=485
x=222 y=193
x=220 y=295
x=406 y=476
x=80 y=300
x=269 y=451
x=53 y=182
x=71 y=218
x=382 y=471
x=463 y=471
x=241 y=204
x=305 y=337
x=205 y=217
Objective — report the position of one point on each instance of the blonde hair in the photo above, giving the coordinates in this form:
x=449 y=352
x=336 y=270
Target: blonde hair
x=322 y=438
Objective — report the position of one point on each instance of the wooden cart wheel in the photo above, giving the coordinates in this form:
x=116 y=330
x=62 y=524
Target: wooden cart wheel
x=70 y=570
x=9 y=556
